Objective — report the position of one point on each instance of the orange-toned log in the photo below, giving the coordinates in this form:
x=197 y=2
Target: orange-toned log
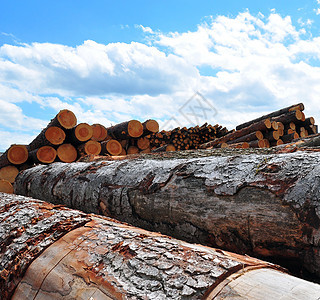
x=65 y=254
x=16 y=154
x=67 y=153
x=79 y=134
x=143 y=143
x=89 y=148
x=148 y=150
x=50 y=136
x=165 y=148
x=126 y=130
x=5 y=187
x=150 y=126
x=112 y=147
x=133 y=150
x=100 y=133
x=259 y=144
x=9 y=173
x=248 y=138
x=279 y=112
x=45 y=155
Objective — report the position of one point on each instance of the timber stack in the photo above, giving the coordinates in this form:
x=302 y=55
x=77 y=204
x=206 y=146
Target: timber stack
x=66 y=141
x=280 y=127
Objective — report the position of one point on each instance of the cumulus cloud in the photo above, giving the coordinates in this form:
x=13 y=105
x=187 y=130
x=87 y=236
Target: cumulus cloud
x=245 y=66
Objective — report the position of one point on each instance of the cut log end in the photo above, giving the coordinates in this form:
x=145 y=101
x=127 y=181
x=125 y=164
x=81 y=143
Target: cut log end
x=143 y=143
x=67 y=153
x=92 y=147
x=17 y=154
x=100 y=133
x=55 y=135
x=113 y=147
x=135 y=128
x=46 y=154
x=83 y=132
x=9 y=173
x=6 y=186
x=170 y=148
x=133 y=150
x=67 y=119
x=152 y=126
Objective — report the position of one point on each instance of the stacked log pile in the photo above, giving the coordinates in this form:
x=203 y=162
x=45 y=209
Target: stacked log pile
x=274 y=129
x=51 y=252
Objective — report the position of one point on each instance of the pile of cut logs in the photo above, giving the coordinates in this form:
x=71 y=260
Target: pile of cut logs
x=280 y=127
x=63 y=140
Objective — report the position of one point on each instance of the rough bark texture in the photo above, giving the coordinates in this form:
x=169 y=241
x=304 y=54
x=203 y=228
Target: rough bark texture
x=263 y=205
x=27 y=227
x=106 y=259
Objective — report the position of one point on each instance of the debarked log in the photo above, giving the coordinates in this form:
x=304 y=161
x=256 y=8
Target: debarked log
x=263 y=205
x=51 y=252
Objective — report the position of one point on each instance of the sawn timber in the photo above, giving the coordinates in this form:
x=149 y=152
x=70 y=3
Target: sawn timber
x=265 y=205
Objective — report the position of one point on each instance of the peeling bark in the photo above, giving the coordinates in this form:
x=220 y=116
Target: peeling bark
x=260 y=204
x=106 y=259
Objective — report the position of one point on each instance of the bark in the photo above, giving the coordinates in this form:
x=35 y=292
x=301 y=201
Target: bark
x=51 y=252
x=258 y=204
x=294 y=107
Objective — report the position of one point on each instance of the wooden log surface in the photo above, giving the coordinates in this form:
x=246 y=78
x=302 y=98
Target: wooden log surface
x=51 y=252
x=16 y=154
x=261 y=204
x=9 y=173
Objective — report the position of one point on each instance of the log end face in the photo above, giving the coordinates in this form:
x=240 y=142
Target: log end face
x=92 y=147
x=9 y=173
x=55 y=135
x=100 y=133
x=17 y=154
x=6 y=186
x=67 y=119
x=152 y=126
x=83 y=132
x=67 y=153
x=135 y=128
x=46 y=154
x=113 y=147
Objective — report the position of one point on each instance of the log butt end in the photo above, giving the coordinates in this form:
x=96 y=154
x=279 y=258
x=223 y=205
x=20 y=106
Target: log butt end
x=67 y=153
x=55 y=135
x=46 y=154
x=83 y=132
x=67 y=119
x=6 y=186
x=17 y=154
x=92 y=147
x=100 y=133
x=135 y=128
x=9 y=173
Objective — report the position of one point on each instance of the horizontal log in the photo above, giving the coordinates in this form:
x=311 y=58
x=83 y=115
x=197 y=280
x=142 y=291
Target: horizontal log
x=294 y=107
x=58 y=253
x=43 y=155
x=89 y=148
x=67 y=153
x=112 y=147
x=100 y=133
x=125 y=130
x=6 y=186
x=79 y=134
x=267 y=200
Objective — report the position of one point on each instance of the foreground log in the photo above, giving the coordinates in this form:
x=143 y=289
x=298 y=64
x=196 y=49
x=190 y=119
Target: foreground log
x=16 y=154
x=50 y=252
x=264 y=205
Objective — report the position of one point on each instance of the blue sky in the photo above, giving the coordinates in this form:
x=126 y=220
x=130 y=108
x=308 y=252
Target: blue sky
x=111 y=61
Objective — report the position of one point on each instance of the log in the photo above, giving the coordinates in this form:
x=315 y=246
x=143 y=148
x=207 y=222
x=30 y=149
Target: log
x=67 y=153
x=143 y=143
x=100 y=133
x=65 y=119
x=292 y=116
x=126 y=130
x=79 y=134
x=6 y=186
x=89 y=148
x=58 y=253
x=262 y=125
x=248 y=138
x=132 y=150
x=279 y=112
x=43 y=155
x=16 y=154
x=150 y=126
x=263 y=205
x=9 y=173
x=165 y=148
x=50 y=136
x=111 y=147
